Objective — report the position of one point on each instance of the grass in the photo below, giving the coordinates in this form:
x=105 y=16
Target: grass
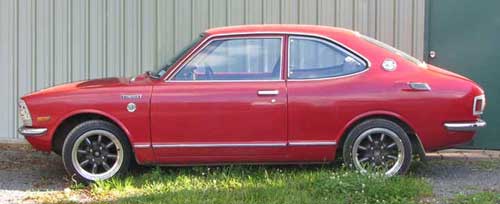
x=251 y=184
x=486 y=197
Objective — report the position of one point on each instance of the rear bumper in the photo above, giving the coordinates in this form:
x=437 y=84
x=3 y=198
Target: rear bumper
x=465 y=126
x=32 y=132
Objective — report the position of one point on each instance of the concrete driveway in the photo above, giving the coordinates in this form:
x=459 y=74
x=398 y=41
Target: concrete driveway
x=25 y=172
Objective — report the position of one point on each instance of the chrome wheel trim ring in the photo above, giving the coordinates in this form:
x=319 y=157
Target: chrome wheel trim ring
x=393 y=136
x=99 y=176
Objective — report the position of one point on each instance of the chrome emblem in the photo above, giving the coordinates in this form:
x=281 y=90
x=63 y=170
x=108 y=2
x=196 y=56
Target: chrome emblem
x=389 y=65
x=132 y=96
x=131 y=107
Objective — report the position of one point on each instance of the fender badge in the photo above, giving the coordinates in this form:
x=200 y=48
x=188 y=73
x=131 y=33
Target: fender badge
x=131 y=107
x=132 y=96
x=389 y=65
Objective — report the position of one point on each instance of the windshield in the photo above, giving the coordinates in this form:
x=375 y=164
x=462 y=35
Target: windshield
x=394 y=50
x=160 y=72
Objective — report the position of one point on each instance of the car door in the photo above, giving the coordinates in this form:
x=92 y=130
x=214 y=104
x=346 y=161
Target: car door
x=320 y=84
x=226 y=103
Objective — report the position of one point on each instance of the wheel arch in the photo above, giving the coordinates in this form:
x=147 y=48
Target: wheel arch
x=69 y=121
x=396 y=118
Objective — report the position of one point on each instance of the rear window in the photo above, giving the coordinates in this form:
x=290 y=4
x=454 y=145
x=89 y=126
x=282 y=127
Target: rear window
x=394 y=50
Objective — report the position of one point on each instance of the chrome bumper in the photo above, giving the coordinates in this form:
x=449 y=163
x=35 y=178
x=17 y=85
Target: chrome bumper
x=472 y=126
x=27 y=131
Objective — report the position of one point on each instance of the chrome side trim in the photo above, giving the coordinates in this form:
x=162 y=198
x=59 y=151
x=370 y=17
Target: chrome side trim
x=472 y=126
x=209 y=145
x=27 y=131
x=141 y=146
x=419 y=86
x=312 y=143
x=212 y=145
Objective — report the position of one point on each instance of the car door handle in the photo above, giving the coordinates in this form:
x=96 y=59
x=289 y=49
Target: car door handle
x=268 y=92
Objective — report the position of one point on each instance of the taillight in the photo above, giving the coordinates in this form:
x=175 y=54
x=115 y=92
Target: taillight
x=479 y=104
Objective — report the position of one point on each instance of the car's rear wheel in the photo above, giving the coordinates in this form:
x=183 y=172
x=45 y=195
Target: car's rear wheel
x=378 y=145
x=96 y=150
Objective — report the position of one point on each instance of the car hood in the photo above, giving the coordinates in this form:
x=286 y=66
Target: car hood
x=88 y=85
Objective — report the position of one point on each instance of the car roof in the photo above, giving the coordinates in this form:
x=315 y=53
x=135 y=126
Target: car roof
x=280 y=28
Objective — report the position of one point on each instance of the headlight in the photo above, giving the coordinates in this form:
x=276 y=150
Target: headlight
x=24 y=114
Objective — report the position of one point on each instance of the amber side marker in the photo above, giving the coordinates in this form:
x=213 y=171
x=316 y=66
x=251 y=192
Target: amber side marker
x=43 y=119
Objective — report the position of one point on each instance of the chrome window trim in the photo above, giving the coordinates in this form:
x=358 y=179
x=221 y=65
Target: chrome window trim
x=189 y=55
x=334 y=44
x=211 y=39
x=480 y=97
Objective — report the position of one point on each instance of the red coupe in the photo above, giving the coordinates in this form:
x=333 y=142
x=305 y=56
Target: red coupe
x=259 y=94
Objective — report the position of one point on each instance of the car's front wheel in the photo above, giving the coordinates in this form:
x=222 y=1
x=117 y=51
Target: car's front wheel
x=378 y=145
x=96 y=150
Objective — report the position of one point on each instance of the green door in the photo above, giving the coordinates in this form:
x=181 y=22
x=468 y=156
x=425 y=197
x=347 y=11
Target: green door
x=465 y=37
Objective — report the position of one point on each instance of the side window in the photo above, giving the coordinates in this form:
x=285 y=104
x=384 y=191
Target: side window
x=235 y=59
x=312 y=58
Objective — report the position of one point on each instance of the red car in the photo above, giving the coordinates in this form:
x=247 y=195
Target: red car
x=259 y=94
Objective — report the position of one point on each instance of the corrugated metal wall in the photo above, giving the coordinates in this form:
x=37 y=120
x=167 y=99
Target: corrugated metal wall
x=49 y=42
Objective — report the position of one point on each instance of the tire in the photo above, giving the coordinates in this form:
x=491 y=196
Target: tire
x=96 y=150
x=378 y=145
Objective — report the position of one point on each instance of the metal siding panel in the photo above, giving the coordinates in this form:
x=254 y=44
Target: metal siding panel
x=326 y=12
x=61 y=51
x=182 y=23
x=7 y=59
x=236 y=10
x=272 y=11
x=148 y=35
x=361 y=17
x=308 y=12
x=201 y=9
x=386 y=21
x=114 y=50
x=55 y=41
x=166 y=43
x=79 y=40
x=217 y=13
x=253 y=12
x=403 y=33
x=25 y=49
x=418 y=28
x=372 y=18
x=290 y=11
x=132 y=43
x=345 y=13
x=43 y=44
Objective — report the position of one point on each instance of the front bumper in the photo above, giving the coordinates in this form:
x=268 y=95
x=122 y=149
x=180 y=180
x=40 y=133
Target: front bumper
x=31 y=132
x=465 y=126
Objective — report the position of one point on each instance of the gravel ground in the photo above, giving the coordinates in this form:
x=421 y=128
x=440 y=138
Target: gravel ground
x=453 y=172
x=25 y=172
